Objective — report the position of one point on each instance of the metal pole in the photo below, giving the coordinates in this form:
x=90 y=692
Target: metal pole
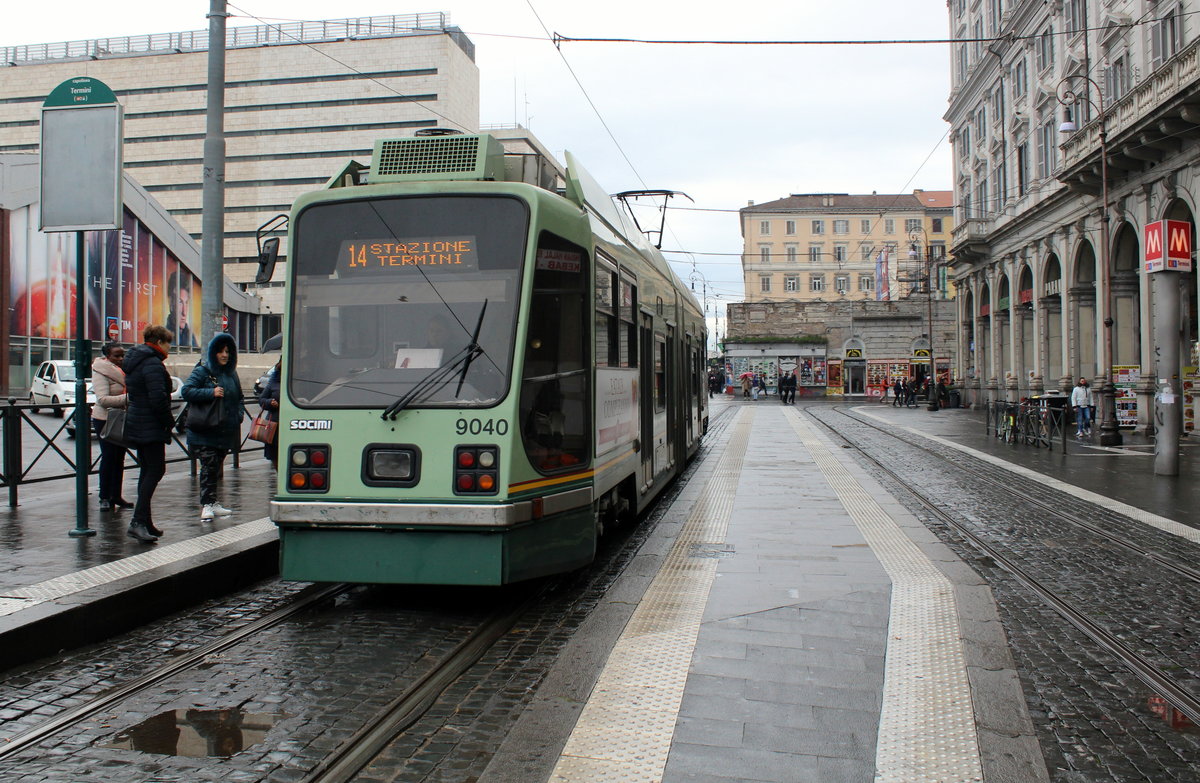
x=933 y=402
x=83 y=428
x=1110 y=434
x=212 y=221
x=1167 y=408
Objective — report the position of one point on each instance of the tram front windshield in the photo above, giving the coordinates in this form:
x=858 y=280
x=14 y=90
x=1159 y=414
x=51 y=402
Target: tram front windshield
x=387 y=291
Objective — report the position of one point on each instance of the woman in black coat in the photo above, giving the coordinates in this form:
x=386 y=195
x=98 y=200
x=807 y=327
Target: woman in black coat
x=148 y=421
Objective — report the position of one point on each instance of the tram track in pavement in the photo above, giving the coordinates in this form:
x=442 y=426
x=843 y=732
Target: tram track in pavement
x=72 y=716
x=1151 y=674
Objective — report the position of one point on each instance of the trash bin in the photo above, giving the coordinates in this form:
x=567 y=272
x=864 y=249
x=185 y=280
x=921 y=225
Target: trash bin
x=955 y=398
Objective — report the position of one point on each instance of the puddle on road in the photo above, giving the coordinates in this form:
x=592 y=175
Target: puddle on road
x=1173 y=717
x=197 y=733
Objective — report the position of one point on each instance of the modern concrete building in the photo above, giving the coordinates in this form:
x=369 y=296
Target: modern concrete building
x=301 y=98
x=835 y=246
x=1048 y=247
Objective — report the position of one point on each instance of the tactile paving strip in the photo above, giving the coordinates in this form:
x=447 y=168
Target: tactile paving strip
x=927 y=724
x=624 y=732
x=20 y=598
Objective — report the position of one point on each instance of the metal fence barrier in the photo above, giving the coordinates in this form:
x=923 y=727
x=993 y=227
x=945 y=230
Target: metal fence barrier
x=51 y=456
x=1028 y=423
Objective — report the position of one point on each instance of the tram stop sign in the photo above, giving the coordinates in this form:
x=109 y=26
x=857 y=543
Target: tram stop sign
x=81 y=157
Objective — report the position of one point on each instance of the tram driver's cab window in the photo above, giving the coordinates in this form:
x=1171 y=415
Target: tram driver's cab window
x=555 y=415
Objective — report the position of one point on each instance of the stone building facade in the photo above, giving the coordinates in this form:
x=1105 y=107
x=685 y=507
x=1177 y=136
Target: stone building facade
x=829 y=246
x=851 y=347
x=1048 y=246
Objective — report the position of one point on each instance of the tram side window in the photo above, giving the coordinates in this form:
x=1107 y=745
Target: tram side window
x=607 y=340
x=555 y=411
x=628 y=326
x=660 y=380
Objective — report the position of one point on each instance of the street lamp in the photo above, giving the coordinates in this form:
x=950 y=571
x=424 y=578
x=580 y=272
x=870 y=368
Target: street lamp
x=1110 y=434
x=914 y=236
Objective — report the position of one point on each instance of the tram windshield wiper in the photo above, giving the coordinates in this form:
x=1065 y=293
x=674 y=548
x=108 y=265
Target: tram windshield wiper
x=474 y=344
x=434 y=380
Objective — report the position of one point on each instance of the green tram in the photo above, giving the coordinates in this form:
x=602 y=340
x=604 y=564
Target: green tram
x=479 y=373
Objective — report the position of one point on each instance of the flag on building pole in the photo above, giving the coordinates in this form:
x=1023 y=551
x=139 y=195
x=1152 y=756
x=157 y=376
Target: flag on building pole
x=881 y=276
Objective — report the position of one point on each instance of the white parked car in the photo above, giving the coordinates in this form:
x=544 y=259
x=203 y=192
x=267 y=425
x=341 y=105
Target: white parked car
x=177 y=404
x=54 y=384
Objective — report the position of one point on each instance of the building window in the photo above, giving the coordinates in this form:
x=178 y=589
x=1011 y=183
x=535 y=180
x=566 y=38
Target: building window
x=864 y=226
x=764 y=227
x=1020 y=80
x=867 y=252
x=998 y=102
x=964 y=142
x=765 y=283
x=911 y=225
x=842 y=283
x=1165 y=36
x=1117 y=78
x=981 y=124
x=816 y=282
x=1047 y=141
x=791 y=283
x=866 y=283
x=1045 y=49
x=789 y=227
x=818 y=226
x=841 y=226
x=1073 y=15
x=764 y=254
x=938 y=249
x=791 y=254
x=1022 y=168
x=889 y=226
x=814 y=253
x=839 y=253
x=935 y=225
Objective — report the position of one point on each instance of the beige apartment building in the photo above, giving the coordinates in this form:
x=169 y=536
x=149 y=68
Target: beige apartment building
x=301 y=98
x=828 y=247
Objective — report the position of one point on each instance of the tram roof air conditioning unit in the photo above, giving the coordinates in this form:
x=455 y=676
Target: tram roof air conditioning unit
x=451 y=156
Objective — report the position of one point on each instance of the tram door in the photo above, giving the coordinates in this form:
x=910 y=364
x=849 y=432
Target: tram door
x=646 y=397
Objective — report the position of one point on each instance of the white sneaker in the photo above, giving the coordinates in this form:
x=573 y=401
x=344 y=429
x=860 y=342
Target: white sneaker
x=207 y=513
x=221 y=510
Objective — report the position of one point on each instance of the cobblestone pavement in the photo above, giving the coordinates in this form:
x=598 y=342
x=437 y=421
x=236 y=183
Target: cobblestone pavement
x=310 y=683
x=1095 y=720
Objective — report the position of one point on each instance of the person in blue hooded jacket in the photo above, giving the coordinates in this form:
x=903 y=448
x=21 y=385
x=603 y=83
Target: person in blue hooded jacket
x=215 y=378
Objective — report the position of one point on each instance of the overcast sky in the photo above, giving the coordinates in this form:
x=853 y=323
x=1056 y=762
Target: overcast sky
x=724 y=124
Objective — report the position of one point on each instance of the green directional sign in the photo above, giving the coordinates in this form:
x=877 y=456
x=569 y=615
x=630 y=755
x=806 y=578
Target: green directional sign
x=80 y=91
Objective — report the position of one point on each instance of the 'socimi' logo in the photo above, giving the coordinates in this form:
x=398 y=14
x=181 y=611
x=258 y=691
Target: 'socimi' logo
x=311 y=424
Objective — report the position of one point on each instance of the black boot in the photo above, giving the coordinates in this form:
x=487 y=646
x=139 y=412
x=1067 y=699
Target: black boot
x=139 y=531
x=154 y=531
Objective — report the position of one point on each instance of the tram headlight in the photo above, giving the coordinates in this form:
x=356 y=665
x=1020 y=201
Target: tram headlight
x=391 y=465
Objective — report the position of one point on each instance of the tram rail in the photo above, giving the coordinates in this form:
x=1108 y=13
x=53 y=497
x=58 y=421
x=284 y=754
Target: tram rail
x=1150 y=674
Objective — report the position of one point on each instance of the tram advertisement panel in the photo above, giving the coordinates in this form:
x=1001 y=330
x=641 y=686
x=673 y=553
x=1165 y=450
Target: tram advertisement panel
x=616 y=407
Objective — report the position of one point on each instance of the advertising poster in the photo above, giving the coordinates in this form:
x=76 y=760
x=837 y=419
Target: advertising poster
x=834 y=385
x=1125 y=377
x=877 y=377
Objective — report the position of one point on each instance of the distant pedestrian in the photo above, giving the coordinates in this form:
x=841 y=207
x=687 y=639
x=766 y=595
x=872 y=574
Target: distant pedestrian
x=1081 y=401
x=108 y=383
x=149 y=421
x=215 y=378
x=762 y=385
x=897 y=393
x=712 y=384
x=754 y=382
x=943 y=394
x=792 y=382
x=745 y=387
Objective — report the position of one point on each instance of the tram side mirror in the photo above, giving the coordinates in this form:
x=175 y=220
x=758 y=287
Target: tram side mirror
x=267 y=257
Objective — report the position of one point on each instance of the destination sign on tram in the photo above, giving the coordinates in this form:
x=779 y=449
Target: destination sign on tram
x=375 y=256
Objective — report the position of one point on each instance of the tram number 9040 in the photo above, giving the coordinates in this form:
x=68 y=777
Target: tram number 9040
x=481 y=427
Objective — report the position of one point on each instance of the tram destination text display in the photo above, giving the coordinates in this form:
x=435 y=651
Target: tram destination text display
x=381 y=256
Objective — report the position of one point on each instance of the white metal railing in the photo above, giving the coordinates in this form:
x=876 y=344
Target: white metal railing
x=235 y=38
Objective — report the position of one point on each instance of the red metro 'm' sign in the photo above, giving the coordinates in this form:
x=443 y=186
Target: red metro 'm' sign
x=1169 y=246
